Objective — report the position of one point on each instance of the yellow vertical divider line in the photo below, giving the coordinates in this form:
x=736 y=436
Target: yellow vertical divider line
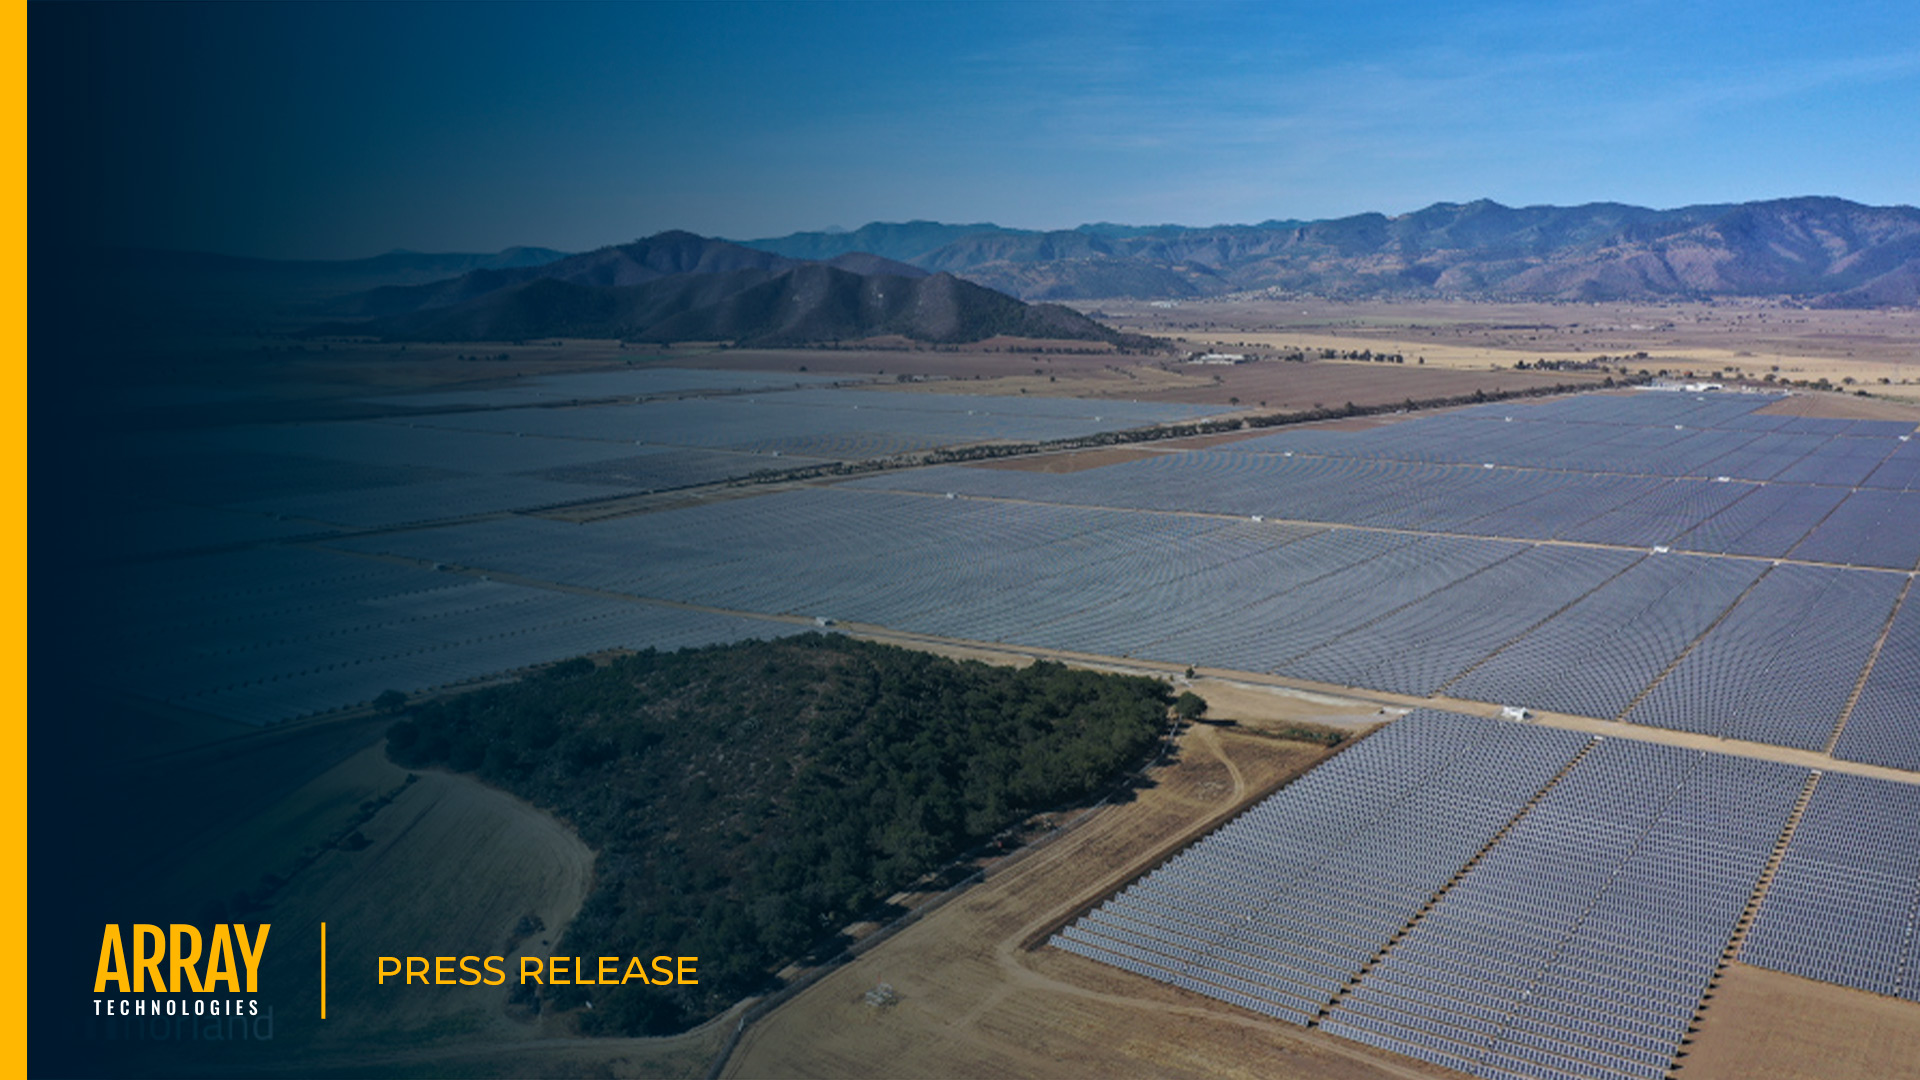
x=323 y=971
x=13 y=480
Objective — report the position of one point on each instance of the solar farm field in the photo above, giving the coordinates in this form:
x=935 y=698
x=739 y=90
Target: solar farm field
x=231 y=604
x=1725 y=592
x=1532 y=903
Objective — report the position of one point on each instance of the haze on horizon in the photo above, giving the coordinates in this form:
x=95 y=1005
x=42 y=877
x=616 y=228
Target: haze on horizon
x=344 y=130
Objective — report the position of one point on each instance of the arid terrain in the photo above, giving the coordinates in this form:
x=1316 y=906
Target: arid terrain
x=1765 y=1023
x=1752 y=338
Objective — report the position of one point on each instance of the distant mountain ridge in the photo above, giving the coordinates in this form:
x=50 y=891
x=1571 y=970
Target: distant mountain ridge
x=1824 y=251
x=677 y=286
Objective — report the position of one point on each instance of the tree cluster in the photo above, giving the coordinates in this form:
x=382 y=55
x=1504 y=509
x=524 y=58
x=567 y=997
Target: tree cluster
x=749 y=800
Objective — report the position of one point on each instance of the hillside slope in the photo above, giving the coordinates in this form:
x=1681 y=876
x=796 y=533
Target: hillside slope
x=781 y=303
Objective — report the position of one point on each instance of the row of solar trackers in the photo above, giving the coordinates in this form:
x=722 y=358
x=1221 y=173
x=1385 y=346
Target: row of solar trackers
x=1425 y=644
x=1720 y=817
x=1780 y=667
x=1623 y=634
x=1867 y=526
x=1844 y=907
x=1871 y=528
x=1884 y=727
x=1297 y=895
x=1291 y=840
x=1900 y=472
x=1651 y=447
x=1547 y=945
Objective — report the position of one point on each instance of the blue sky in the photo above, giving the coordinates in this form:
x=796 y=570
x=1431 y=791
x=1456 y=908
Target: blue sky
x=339 y=130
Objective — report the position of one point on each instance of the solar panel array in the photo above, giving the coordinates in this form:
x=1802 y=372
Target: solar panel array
x=1780 y=667
x=1582 y=943
x=1901 y=470
x=1419 y=646
x=1884 y=726
x=1280 y=908
x=1596 y=657
x=1842 y=908
x=511 y=449
x=274 y=634
x=1700 y=473
x=1603 y=882
x=1527 y=583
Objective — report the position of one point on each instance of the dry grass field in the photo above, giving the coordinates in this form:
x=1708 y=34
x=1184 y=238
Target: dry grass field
x=1754 y=337
x=450 y=868
x=1764 y=1023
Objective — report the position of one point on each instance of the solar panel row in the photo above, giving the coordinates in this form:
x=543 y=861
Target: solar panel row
x=1780 y=667
x=1570 y=629
x=274 y=634
x=1567 y=629
x=1844 y=904
x=1578 y=945
x=1649 y=435
x=1865 y=527
x=1884 y=727
x=1287 y=902
x=1587 y=935
x=1597 y=655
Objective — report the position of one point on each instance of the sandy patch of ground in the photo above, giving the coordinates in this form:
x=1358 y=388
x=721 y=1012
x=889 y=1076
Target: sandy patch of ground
x=1765 y=1023
x=1273 y=708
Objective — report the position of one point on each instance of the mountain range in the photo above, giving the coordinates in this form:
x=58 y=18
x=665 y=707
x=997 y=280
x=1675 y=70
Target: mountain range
x=937 y=282
x=1822 y=251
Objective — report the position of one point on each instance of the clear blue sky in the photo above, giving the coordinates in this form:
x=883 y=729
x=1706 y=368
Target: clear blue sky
x=339 y=130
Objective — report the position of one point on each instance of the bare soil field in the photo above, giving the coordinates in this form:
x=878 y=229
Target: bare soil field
x=975 y=1001
x=1844 y=407
x=1765 y=1023
x=1755 y=337
x=1280 y=385
x=1072 y=461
